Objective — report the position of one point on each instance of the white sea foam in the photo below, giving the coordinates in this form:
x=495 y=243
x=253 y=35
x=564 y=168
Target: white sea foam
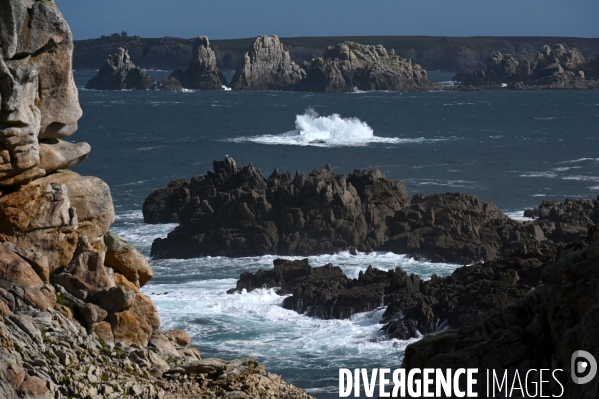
x=539 y=174
x=582 y=178
x=519 y=216
x=191 y=294
x=581 y=160
x=328 y=131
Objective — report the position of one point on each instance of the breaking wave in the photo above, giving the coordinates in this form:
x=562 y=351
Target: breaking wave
x=312 y=129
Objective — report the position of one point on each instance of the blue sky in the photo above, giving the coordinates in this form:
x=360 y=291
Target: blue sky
x=223 y=19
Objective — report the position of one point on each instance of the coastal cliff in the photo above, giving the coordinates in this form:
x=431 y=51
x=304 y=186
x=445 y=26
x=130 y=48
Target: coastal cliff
x=74 y=322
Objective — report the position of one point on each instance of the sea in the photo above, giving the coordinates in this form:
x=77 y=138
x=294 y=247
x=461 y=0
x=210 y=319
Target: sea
x=512 y=148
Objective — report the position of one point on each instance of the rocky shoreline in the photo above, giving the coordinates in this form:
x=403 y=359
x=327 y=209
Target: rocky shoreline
x=73 y=321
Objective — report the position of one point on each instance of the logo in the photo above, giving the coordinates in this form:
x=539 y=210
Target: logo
x=583 y=367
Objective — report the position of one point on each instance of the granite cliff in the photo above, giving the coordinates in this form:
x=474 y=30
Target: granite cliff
x=267 y=66
x=119 y=73
x=73 y=320
x=202 y=73
x=351 y=66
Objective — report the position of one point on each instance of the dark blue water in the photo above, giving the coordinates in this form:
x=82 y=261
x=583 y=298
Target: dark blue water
x=493 y=149
x=511 y=148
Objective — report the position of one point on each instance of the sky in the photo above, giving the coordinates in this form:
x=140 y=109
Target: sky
x=229 y=19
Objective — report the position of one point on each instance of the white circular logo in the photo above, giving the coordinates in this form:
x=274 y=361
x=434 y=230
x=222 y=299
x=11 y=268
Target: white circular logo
x=583 y=367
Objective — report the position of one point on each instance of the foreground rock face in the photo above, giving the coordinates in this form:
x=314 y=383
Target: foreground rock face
x=73 y=322
x=38 y=94
x=541 y=330
x=349 y=66
x=553 y=68
x=119 y=73
x=237 y=212
x=202 y=72
x=267 y=66
x=47 y=354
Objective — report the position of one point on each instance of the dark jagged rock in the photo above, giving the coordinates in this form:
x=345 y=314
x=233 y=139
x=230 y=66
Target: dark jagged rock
x=237 y=212
x=202 y=72
x=541 y=330
x=170 y=84
x=349 y=66
x=119 y=73
x=566 y=221
x=414 y=306
x=267 y=66
x=553 y=68
x=457 y=228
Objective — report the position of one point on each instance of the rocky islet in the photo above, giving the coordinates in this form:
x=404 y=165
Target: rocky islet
x=202 y=73
x=119 y=73
x=236 y=211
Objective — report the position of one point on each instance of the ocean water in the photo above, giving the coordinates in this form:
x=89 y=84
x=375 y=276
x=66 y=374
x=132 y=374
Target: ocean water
x=514 y=149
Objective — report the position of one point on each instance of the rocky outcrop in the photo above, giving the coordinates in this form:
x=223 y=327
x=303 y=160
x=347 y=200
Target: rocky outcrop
x=73 y=322
x=457 y=228
x=552 y=68
x=415 y=307
x=38 y=94
x=48 y=354
x=170 y=84
x=566 y=221
x=349 y=66
x=235 y=211
x=267 y=66
x=119 y=73
x=202 y=72
x=453 y=54
x=542 y=330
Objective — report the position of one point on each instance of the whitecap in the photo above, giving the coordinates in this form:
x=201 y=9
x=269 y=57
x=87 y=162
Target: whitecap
x=582 y=178
x=538 y=174
x=581 y=160
x=329 y=131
